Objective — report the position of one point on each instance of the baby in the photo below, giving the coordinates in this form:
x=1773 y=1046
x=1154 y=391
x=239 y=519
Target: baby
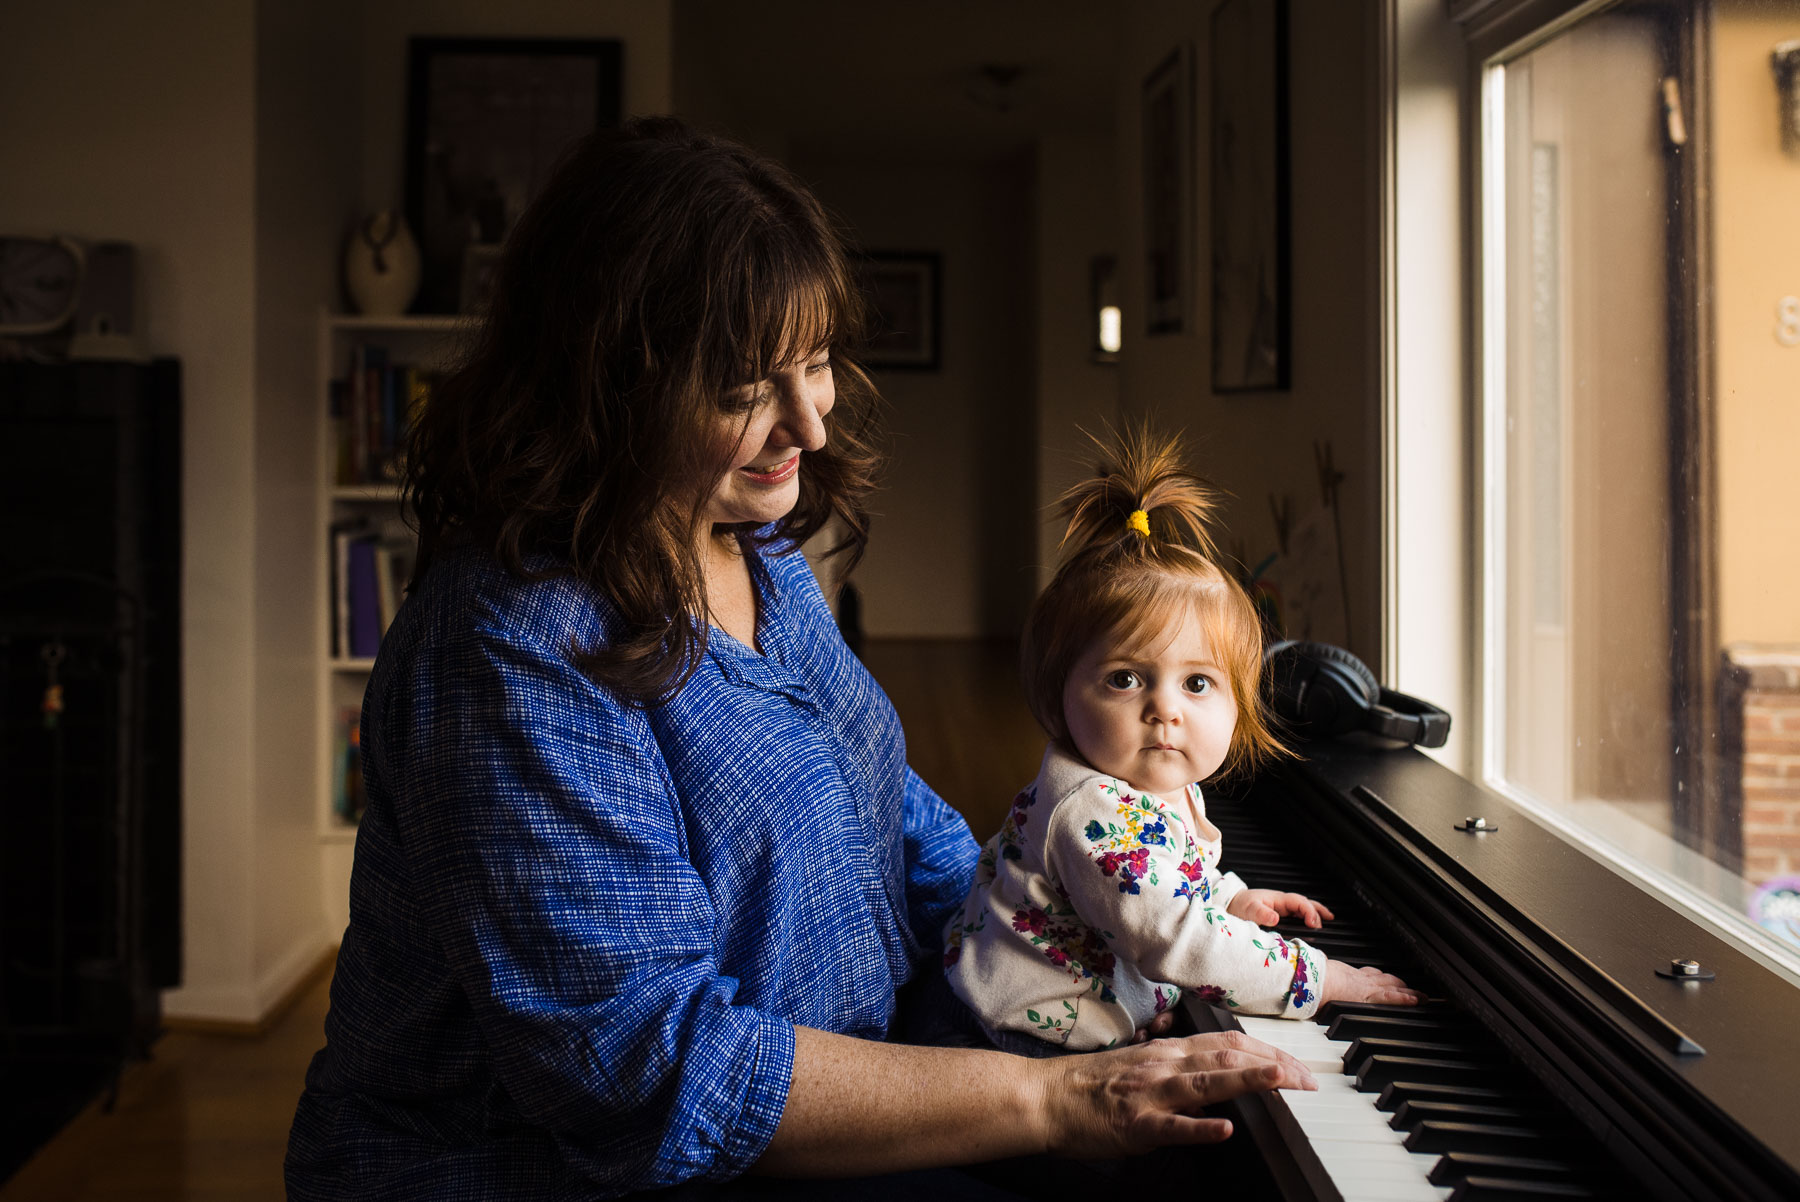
x=1100 y=900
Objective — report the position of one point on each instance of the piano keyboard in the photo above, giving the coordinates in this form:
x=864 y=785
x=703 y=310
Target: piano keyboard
x=1414 y=1102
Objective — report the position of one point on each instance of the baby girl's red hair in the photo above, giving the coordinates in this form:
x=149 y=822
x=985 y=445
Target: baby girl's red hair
x=1119 y=583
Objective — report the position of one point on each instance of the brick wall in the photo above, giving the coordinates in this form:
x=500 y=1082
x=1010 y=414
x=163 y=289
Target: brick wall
x=1769 y=679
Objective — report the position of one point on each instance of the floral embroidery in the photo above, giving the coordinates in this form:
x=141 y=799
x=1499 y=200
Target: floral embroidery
x=1124 y=846
x=1047 y=1022
x=1216 y=919
x=1300 y=993
x=1278 y=951
x=1130 y=868
x=953 y=941
x=1071 y=945
x=1196 y=887
x=1214 y=995
x=1165 y=999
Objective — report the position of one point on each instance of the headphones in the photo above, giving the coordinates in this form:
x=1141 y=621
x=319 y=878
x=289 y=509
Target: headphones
x=1320 y=691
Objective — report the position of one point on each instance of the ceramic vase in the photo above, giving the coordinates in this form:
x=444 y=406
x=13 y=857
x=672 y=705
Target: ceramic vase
x=381 y=265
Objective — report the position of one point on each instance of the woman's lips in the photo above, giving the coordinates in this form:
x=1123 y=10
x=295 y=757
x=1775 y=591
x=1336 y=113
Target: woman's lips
x=778 y=473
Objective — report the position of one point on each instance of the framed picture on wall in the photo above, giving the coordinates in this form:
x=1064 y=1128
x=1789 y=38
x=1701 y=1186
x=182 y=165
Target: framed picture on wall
x=1251 y=298
x=903 y=292
x=1168 y=113
x=486 y=121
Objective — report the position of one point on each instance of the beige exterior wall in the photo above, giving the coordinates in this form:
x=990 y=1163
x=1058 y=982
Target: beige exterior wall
x=1756 y=258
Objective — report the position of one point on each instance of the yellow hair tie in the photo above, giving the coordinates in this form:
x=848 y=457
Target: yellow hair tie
x=1140 y=522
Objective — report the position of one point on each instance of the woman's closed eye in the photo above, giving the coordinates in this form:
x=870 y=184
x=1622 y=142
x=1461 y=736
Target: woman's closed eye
x=745 y=399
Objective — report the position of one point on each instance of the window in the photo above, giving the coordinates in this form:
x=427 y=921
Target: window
x=1639 y=431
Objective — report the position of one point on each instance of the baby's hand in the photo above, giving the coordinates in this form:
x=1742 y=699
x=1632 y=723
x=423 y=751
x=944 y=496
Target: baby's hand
x=1346 y=984
x=1265 y=907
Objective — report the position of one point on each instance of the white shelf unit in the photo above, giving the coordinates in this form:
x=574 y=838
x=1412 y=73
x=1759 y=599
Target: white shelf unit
x=428 y=342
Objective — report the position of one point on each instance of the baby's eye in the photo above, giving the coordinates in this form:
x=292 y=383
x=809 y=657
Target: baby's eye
x=1122 y=679
x=1199 y=684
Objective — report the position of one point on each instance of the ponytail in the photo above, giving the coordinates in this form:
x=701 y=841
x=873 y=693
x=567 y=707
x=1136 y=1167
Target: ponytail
x=1136 y=556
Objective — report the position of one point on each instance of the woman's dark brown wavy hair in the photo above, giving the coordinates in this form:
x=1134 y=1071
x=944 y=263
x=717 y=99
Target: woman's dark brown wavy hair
x=659 y=269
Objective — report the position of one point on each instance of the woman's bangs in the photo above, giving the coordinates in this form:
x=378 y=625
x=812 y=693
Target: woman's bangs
x=793 y=306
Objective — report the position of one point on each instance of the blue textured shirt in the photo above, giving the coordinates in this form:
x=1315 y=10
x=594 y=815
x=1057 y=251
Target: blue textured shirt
x=581 y=933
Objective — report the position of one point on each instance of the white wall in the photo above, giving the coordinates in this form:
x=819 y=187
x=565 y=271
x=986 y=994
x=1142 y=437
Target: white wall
x=306 y=196
x=1258 y=444
x=954 y=537
x=1078 y=217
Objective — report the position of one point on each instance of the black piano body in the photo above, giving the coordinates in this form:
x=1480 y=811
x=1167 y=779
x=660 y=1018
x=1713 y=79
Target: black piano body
x=1652 y=1086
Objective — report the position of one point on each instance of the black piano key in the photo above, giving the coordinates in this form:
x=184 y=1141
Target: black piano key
x=1414 y=1111
x=1365 y=1046
x=1394 y=1094
x=1453 y=1167
x=1434 y=1136
x=1373 y=1073
x=1350 y=1026
x=1505 y=1189
x=1428 y=1007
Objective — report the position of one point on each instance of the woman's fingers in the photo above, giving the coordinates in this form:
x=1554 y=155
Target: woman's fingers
x=1164 y=1128
x=1234 y=1051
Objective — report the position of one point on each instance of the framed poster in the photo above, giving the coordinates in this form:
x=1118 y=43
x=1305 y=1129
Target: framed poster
x=1251 y=299
x=1168 y=115
x=902 y=291
x=486 y=121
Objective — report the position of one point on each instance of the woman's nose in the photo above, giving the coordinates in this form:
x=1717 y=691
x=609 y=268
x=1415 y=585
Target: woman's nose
x=806 y=410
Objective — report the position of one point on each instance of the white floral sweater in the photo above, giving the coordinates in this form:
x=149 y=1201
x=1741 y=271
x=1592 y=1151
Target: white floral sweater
x=1096 y=905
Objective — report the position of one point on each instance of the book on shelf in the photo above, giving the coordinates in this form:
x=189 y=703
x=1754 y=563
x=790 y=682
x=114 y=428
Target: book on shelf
x=372 y=407
x=369 y=574
x=348 y=799
x=365 y=598
x=342 y=534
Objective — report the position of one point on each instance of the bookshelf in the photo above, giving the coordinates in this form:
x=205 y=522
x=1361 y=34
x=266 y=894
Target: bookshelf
x=358 y=502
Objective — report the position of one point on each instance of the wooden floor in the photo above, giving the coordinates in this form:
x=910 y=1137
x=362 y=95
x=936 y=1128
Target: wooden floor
x=207 y=1117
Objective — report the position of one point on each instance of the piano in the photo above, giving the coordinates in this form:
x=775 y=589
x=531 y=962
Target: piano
x=1565 y=1052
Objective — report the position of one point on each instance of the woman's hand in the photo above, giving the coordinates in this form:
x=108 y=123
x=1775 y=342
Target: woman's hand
x=1346 y=984
x=1128 y=1101
x=1265 y=907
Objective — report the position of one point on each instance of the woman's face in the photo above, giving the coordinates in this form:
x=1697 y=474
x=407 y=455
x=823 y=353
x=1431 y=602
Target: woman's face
x=786 y=416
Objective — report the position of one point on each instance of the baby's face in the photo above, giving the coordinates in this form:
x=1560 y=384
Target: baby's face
x=1158 y=716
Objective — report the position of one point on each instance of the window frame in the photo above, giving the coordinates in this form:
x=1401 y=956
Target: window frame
x=1443 y=463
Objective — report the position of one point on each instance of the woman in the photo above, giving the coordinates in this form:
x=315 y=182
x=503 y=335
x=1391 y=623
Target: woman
x=643 y=868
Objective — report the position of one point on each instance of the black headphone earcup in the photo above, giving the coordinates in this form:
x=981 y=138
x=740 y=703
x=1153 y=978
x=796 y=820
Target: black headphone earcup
x=1318 y=689
x=1360 y=680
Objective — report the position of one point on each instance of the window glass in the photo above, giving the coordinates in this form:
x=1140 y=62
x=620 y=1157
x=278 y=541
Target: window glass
x=1643 y=563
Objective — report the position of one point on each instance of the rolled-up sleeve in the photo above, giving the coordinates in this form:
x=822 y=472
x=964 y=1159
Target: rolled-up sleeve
x=940 y=862
x=542 y=832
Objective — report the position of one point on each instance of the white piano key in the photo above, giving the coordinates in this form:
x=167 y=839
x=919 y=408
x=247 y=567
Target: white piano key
x=1338 y=1082
x=1395 y=1191
x=1365 y=1158
x=1360 y=1132
x=1354 y=1152
x=1324 y=1105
